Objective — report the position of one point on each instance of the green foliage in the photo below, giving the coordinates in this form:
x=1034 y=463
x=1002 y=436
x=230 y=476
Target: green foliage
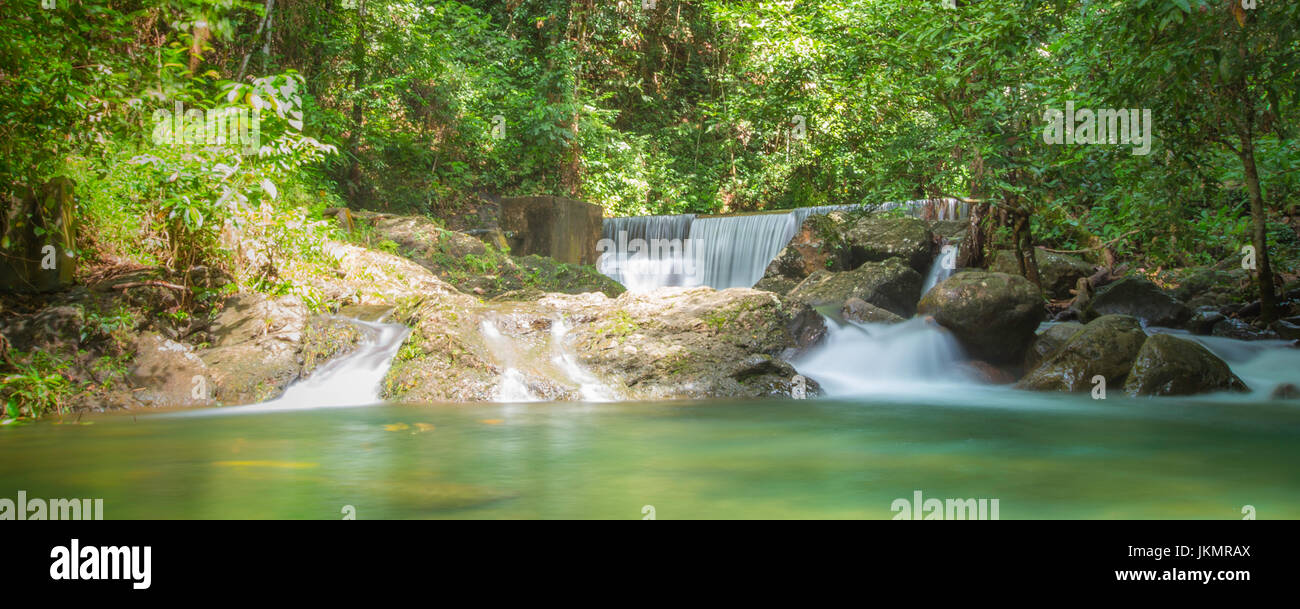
x=39 y=385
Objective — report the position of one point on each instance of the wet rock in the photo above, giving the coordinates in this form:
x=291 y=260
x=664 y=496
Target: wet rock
x=861 y=311
x=770 y=376
x=1285 y=391
x=673 y=343
x=1204 y=319
x=255 y=344
x=1048 y=341
x=1106 y=346
x=169 y=374
x=1287 y=329
x=876 y=239
x=1240 y=330
x=1139 y=298
x=1168 y=365
x=817 y=246
x=806 y=325
x=326 y=338
x=993 y=315
x=1058 y=272
x=889 y=285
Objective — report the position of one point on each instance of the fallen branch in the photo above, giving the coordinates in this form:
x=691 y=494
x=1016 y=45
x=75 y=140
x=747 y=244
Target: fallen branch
x=154 y=283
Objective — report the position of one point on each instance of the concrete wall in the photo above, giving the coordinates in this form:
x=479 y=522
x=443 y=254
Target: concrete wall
x=564 y=229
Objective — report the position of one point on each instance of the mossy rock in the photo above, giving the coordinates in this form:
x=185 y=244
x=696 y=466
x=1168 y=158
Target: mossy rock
x=1105 y=347
x=1168 y=365
x=993 y=315
x=875 y=239
x=890 y=285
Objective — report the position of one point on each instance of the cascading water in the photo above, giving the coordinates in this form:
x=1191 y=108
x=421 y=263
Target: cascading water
x=944 y=265
x=512 y=387
x=590 y=387
x=646 y=270
x=352 y=380
x=648 y=252
x=733 y=251
x=866 y=359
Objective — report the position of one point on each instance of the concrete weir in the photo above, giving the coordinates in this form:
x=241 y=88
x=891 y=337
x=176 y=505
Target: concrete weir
x=563 y=229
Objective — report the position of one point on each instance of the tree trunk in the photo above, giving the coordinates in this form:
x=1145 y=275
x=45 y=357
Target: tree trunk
x=358 y=78
x=1259 y=216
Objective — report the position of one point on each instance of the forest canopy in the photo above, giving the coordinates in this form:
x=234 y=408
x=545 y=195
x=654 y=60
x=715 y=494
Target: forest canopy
x=661 y=107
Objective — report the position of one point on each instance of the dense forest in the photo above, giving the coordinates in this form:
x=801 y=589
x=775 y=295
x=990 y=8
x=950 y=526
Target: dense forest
x=197 y=134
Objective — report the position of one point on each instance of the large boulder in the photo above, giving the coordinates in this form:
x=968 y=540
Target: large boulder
x=1107 y=346
x=875 y=239
x=1058 y=273
x=1138 y=298
x=168 y=374
x=1168 y=365
x=1048 y=341
x=993 y=315
x=255 y=348
x=890 y=285
x=815 y=247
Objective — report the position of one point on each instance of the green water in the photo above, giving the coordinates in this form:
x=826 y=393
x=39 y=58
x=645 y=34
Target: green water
x=1041 y=456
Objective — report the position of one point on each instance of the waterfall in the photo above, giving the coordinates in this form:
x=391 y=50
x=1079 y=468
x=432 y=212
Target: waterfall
x=944 y=265
x=861 y=359
x=512 y=387
x=645 y=270
x=647 y=252
x=733 y=251
x=589 y=387
x=351 y=380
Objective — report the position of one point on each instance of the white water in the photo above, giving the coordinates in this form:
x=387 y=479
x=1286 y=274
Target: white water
x=590 y=387
x=938 y=272
x=351 y=380
x=913 y=357
x=717 y=251
x=512 y=386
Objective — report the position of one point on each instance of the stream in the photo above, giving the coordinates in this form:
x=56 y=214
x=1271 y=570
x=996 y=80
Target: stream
x=911 y=423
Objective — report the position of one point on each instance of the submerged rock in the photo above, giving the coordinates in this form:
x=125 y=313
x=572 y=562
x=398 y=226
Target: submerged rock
x=1058 y=272
x=993 y=315
x=890 y=285
x=1168 y=365
x=1139 y=298
x=876 y=239
x=1285 y=391
x=1105 y=346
